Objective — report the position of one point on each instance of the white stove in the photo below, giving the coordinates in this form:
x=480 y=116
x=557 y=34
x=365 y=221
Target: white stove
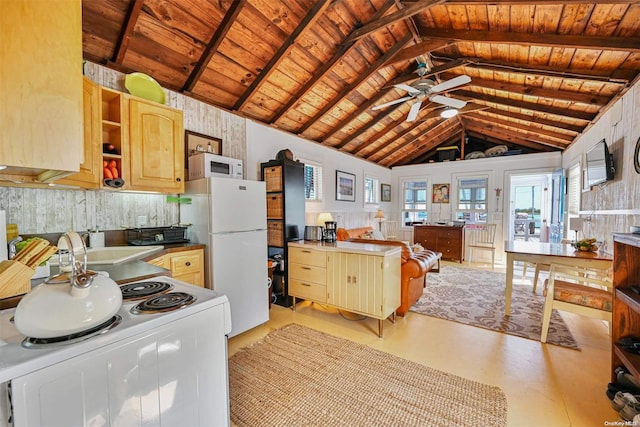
x=160 y=369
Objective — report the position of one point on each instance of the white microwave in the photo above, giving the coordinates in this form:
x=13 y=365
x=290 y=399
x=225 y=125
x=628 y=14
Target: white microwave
x=204 y=165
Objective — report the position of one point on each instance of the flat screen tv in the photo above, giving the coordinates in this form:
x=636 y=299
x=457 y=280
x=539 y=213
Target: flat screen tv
x=599 y=164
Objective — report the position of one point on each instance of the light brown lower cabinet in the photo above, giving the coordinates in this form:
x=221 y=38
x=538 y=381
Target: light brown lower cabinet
x=186 y=265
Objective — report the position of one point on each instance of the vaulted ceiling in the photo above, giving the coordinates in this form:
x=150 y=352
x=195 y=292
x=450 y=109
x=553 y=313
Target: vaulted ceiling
x=541 y=71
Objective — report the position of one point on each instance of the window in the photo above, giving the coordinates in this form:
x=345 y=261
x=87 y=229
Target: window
x=371 y=190
x=573 y=190
x=414 y=208
x=312 y=181
x=472 y=200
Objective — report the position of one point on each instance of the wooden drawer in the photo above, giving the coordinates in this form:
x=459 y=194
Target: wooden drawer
x=448 y=234
x=273 y=178
x=307 y=257
x=307 y=290
x=187 y=262
x=275 y=233
x=309 y=273
x=274 y=206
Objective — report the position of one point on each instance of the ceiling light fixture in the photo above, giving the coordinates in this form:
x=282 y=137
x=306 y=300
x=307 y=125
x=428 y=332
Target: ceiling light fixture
x=448 y=113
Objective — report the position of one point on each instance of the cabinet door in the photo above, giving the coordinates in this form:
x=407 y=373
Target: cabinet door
x=356 y=283
x=156 y=141
x=41 y=88
x=188 y=266
x=89 y=175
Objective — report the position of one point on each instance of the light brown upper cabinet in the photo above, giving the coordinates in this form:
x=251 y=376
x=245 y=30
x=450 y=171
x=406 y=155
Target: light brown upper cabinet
x=41 y=124
x=156 y=141
x=90 y=174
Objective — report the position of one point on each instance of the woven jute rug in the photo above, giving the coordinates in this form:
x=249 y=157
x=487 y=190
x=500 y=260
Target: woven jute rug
x=476 y=297
x=298 y=376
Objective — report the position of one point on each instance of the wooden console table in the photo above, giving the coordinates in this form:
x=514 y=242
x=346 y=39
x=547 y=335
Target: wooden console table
x=548 y=253
x=441 y=238
x=358 y=277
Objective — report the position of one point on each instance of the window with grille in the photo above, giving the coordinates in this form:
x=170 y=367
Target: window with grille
x=414 y=207
x=371 y=190
x=472 y=199
x=312 y=181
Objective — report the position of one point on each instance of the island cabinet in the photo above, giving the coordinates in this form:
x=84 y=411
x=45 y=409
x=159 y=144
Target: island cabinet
x=626 y=302
x=40 y=90
x=357 y=277
x=441 y=238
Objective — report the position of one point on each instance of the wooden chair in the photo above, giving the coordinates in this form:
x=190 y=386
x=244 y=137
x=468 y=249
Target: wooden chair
x=390 y=230
x=538 y=269
x=584 y=291
x=482 y=238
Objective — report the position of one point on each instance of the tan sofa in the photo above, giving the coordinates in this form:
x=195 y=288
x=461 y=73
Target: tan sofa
x=414 y=265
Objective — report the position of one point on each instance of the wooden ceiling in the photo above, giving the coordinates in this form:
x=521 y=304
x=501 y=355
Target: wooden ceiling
x=541 y=71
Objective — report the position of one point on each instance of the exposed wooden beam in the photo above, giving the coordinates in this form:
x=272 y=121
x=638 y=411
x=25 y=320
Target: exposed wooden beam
x=364 y=75
x=524 y=128
x=404 y=149
x=456 y=63
x=532 y=106
x=498 y=141
x=540 y=92
x=379 y=151
x=565 y=41
x=409 y=11
x=361 y=109
x=314 y=14
x=529 y=2
x=127 y=29
x=525 y=117
x=422 y=48
x=429 y=148
x=510 y=137
x=212 y=47
x=389 y=141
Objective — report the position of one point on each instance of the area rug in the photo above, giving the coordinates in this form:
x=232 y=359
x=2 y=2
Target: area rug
x=297 y=376
x=476 y=297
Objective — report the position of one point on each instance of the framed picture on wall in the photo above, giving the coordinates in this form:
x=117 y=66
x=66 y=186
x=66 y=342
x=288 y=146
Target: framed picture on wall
x=385 y=192
x=345 y=186
x=195 y=142
x=440 y=193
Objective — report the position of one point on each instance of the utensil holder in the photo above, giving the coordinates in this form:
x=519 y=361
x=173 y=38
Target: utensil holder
x=15 y=278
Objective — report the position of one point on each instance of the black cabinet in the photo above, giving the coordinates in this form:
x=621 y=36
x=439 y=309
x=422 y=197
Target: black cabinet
x=285 y=216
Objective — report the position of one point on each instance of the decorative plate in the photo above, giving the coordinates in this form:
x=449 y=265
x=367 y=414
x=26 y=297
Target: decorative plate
x=474 y=155
x=498 y=150
x=144 y=86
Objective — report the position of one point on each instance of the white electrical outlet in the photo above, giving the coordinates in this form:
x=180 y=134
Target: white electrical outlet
x=141 y=221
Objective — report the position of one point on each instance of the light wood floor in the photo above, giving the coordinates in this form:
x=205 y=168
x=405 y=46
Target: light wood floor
x=545 y=385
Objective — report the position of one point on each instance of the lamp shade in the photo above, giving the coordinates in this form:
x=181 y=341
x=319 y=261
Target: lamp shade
x=379 y=214
x=324 y=217
x=575 y=223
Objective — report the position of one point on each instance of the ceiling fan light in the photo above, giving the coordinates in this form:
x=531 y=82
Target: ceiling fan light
x=448 y=113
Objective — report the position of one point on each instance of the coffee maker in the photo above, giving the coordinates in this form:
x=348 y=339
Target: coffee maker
x=329 y=233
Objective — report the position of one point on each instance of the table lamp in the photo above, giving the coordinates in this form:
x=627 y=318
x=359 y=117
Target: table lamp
x=380 y=217
x=324 y=217
x=575 y=224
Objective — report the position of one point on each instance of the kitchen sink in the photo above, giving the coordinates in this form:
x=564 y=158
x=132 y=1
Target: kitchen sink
x=114 y=254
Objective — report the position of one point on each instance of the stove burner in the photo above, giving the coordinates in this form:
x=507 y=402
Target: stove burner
x=165 y=302
x=142 y=290
x=102 y=328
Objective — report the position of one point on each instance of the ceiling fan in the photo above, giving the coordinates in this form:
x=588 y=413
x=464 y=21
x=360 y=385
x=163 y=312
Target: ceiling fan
x=422 y=89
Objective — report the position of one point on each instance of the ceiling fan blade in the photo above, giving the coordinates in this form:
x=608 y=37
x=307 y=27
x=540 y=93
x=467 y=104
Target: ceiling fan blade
x=408 y=88
x=449 y=102
x=413 y=113
x=386 y=104
x=449 y=84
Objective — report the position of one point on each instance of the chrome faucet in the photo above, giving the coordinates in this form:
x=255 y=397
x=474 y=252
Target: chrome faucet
x=12 y=246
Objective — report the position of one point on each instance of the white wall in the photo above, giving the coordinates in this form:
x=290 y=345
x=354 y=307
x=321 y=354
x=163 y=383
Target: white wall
x=496 y=169
x=264 y=142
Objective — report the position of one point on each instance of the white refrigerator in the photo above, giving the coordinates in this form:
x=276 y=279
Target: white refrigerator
x=230 y=217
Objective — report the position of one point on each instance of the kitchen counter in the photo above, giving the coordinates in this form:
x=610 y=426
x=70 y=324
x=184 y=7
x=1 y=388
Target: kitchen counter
x=345 y=246
x=125 y=272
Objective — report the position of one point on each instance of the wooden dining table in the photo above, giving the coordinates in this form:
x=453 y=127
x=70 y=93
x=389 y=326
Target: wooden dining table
x=548 y=253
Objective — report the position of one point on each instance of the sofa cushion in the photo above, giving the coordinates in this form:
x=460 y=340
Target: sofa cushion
x=351 y=233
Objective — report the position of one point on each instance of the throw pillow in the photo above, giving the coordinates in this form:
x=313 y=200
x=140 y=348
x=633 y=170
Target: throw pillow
x=366 y=235
x=417 y=247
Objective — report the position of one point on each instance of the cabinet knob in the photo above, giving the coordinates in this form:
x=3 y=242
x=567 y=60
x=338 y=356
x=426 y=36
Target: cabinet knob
x=178 y=179
x=188 y=264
